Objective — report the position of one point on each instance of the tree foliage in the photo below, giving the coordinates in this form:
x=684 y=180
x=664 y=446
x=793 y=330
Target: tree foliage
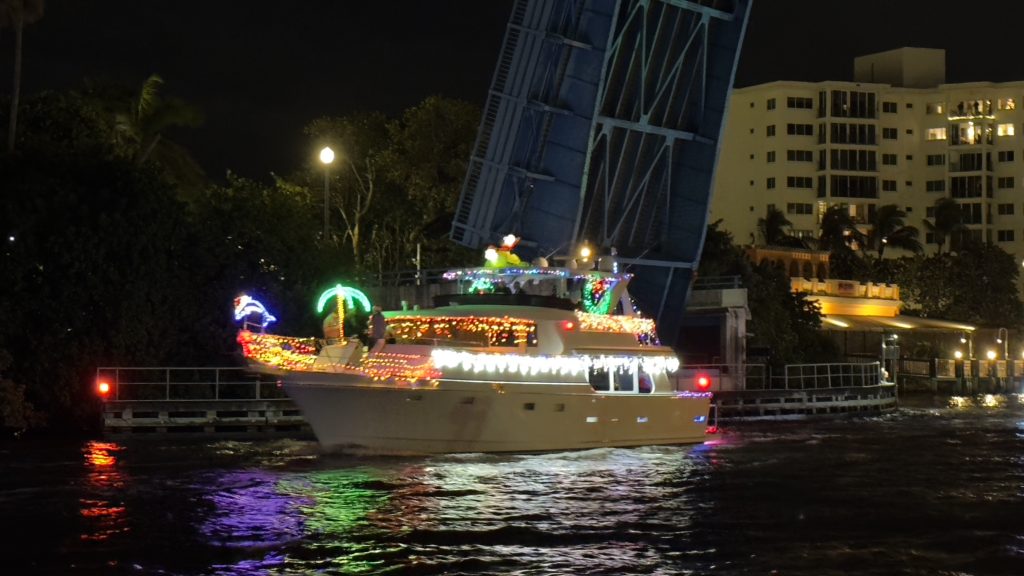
x=889 y=231
x=397 y=181
x=16 y=14
x=977 y=284
x=775 y=230
x=105 y=261
x=948 y=223
x=782 y=321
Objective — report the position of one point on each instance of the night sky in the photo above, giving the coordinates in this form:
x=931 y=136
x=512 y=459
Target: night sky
x=261 y=70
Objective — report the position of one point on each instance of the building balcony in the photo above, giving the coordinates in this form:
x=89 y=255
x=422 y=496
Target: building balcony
x=850 y=298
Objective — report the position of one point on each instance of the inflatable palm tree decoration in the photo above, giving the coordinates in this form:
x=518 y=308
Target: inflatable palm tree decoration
x=342 y=296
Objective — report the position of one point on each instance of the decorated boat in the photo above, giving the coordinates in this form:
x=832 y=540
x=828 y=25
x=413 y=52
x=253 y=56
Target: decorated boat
x=516 y=358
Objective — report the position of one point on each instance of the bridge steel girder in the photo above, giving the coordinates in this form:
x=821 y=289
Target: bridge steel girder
x=655 y=142
x=526 y=169
x=603 y=124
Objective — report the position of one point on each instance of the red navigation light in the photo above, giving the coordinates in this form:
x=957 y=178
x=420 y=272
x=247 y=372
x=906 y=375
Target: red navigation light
x=568 y=325
x=703 y=382
x=711 y=430
x=103 y=387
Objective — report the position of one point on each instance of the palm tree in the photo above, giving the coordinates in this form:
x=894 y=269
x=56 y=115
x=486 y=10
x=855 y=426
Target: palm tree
x=838 y=231
x=948 y=221
x=16 y=14
x=888 y=229
x=141 y=127
x=774 y=230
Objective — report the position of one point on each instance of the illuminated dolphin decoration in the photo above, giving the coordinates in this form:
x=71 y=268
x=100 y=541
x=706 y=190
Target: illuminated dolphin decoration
x=245 y=305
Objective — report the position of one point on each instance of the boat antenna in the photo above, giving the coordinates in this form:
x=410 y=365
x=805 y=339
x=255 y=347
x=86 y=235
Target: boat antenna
x=642 y=254
x=550 y=254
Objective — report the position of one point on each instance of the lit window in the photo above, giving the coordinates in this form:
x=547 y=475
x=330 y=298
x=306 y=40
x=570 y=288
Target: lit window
x=1007 y=104
x=1004 y=130
x=936 y=133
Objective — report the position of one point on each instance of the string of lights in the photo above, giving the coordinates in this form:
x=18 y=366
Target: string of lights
x=565 y=365
x=492 y=331
x=282 y=351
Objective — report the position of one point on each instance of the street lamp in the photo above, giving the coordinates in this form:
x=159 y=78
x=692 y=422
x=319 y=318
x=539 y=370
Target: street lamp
x=327 y=156
x=969 y=340
x=1003 y=337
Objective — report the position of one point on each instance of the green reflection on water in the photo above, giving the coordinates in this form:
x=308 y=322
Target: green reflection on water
x=338 y=518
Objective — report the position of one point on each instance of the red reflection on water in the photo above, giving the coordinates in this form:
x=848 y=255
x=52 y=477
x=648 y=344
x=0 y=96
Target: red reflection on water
x=104 y=481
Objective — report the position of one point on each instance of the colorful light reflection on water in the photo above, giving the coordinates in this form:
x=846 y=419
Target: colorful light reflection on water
x=925 y=491
x=104 y=509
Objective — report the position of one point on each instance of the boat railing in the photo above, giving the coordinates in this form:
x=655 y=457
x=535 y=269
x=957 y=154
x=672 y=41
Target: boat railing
x=161 y=384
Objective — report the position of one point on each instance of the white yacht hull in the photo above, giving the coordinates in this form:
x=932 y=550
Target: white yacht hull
x=350 y=413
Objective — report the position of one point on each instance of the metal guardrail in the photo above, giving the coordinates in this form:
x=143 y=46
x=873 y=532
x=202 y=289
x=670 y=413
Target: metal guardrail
x=717 y=283
x=185 y=384
x=748 y=377
x=819 y=376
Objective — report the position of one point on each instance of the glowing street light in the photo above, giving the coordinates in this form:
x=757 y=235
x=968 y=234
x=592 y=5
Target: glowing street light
x=1003 y=337
x=326 y=156
x=991 y=354
x=958 y=355
x=969 y=340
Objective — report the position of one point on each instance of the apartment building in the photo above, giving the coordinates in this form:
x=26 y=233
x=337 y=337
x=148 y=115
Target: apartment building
x=898 y=134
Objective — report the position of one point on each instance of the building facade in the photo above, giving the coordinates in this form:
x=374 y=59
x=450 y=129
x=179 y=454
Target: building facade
x=896 y=135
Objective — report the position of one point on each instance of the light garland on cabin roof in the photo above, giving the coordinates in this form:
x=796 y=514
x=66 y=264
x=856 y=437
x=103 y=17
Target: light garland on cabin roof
x=472 y=274
x=642 y=328
x=504 y=331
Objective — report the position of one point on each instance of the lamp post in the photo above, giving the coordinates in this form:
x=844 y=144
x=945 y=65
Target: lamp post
x=969 y=340
x=327 y=156
x=1003 y=337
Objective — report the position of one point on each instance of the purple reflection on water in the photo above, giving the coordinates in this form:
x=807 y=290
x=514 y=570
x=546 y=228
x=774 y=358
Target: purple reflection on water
x=252 y=511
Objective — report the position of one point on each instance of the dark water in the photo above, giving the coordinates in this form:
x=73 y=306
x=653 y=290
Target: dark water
x=926 y=491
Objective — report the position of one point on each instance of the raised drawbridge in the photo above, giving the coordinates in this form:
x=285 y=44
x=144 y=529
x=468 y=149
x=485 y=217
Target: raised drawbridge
x=602 y=125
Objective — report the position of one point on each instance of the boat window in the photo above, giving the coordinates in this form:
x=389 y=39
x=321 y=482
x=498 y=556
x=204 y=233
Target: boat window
x=624 y=380
x=645 y=383
x=599 y=379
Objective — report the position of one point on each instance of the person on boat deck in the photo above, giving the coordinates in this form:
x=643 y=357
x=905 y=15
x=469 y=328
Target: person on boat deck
x=378 y=326
x=332 y=330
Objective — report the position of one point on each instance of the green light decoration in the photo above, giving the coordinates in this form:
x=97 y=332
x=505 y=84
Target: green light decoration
x=342 y=295
x=597 y=295
x=481 y=286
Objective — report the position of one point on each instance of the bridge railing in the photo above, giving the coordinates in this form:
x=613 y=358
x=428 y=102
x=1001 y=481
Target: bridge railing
x=745 y=377
x=819 y=376
x=161 y=384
